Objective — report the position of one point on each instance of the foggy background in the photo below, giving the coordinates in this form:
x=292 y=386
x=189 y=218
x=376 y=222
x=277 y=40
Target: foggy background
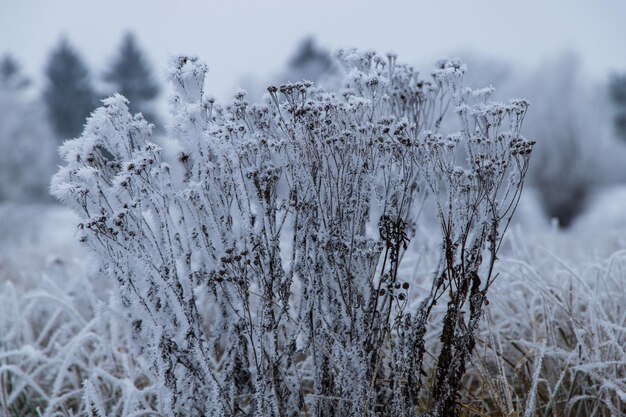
x=59 y=59
x=237 y=38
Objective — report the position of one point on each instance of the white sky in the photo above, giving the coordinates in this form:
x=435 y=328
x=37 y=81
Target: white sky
x=241 y=37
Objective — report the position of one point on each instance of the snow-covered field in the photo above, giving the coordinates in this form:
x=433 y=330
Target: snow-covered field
x=57 y=326
x=38 y=240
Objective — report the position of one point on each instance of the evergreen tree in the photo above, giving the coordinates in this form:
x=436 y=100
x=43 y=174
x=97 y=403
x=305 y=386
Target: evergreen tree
x=10 y=74
x=618 y=95
x=310 y=62
x=130 y=75
x=69 y=95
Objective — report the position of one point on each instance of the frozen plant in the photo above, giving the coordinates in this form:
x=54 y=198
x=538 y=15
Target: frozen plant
x=266 y=281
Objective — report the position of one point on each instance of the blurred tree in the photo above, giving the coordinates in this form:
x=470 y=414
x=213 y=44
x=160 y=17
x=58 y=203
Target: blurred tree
x=307 y=62
x=130 y=75
x=571 y=119
x=617 y=88
x=68 y=94
x=10 y=74
x=565 y=168
x=310 y=62
x=27 y=144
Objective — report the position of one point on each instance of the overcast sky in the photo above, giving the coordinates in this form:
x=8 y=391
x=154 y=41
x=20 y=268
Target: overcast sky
x=241 y=37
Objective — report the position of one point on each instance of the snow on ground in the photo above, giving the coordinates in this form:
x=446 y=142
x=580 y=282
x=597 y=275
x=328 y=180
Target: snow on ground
x=37 y=240
x=606 y=213
x=597 y=234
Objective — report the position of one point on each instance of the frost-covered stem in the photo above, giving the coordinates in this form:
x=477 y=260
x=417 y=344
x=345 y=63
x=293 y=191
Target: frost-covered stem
x=268 y=280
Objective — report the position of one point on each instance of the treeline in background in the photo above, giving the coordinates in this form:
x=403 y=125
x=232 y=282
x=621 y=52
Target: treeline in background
x=579 y=122
x=33 y=125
